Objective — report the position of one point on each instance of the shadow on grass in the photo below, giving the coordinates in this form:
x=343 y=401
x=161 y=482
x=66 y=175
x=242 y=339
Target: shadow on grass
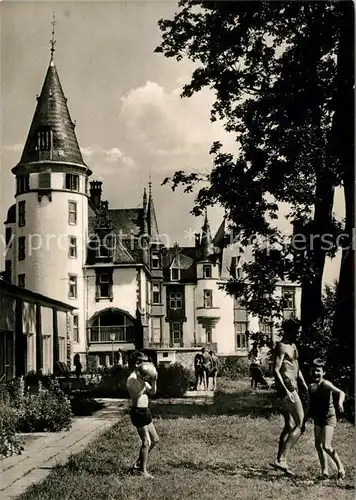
x=261 y=404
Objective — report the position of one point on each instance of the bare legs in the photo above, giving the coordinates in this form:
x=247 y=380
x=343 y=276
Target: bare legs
x=293 y=420
x=323 y=438
x=149 y=438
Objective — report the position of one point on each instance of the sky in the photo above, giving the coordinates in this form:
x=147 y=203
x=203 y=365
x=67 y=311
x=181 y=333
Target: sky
x=130 y=119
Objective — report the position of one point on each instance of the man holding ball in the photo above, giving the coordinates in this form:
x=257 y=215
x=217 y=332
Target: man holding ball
x=141 y=383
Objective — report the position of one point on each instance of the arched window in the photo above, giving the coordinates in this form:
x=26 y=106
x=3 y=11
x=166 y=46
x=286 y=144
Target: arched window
x=112 y=325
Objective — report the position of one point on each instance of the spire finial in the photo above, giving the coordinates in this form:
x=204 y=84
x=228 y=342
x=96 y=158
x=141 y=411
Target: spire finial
x=149 y=184
x=53 y=41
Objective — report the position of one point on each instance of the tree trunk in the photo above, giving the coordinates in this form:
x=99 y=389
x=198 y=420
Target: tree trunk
x=343 y=327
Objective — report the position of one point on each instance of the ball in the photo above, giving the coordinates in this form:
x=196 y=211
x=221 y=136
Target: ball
x=148 y=369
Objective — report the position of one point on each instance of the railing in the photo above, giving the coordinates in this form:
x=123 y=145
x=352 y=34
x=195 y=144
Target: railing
x=104 y=333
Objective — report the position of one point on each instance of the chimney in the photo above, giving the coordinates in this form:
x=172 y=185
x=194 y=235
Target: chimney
x=95 y=193
x=197 y=240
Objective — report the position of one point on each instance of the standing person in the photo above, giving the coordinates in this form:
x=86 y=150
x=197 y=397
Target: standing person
x=78 y=365
x=255 y=362
x=321 y=408
x=214 y=369
x=198 y=369
x=207 y=365
x=141 y=383
x=287 y=372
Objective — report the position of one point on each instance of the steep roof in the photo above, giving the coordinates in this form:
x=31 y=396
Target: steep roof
x=52 y=112
x=11 y=215
x=187 y=257
x=152 y=221
x=206 y=245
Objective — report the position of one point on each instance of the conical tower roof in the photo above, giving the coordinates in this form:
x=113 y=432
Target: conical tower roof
x=52 y=116
x=207 y=245
x=151 y=217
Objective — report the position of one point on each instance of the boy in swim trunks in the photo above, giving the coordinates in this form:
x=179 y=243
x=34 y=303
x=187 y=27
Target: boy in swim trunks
x=321 y=408
x=139 y=385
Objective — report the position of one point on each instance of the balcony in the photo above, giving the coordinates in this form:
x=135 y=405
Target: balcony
x=108 y=334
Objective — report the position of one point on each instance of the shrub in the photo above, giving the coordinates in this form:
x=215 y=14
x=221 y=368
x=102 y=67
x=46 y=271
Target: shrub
x=111 y=382
x=9 y=442
x=173 y=380
x=234 y=367
x=46 y=410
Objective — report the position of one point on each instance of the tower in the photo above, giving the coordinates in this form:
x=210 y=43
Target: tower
x=207 y=290
x=51 y=217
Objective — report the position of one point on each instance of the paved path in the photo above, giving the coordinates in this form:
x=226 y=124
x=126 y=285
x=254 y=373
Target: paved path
x=19 y=472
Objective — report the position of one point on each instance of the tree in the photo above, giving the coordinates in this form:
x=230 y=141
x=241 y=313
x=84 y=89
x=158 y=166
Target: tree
x=282 y=83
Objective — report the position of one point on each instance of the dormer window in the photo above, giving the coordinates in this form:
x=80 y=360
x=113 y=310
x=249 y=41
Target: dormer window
x=72 y=182
x=23 y=183
x=44 y=139
x=175 y=274
x=155 y=260
x=207 y=271
x=44 y=180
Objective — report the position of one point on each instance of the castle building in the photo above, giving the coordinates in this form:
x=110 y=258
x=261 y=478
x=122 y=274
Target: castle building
x=126 y=288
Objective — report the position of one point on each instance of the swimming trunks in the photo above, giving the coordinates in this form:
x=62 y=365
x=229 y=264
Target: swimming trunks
x=322 y=407
x=140 y=416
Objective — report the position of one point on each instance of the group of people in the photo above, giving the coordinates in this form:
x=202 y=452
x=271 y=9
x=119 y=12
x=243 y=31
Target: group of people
x=289 y=379
x=206 y=364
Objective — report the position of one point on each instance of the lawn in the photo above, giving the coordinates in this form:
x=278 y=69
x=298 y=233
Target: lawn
x=206 y=452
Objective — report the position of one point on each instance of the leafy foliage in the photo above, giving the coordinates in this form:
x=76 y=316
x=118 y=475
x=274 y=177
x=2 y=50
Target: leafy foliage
x=282 y=77
x=173 y=380
x=36 y=410
x=233 y=367
x=9 y=441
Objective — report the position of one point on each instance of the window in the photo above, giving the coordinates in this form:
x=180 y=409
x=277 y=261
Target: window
x=176 y=334
x=22 y=248
x=72 y=213
x=104 y=282
x=175 y=300
x=73 y=286
x=241 y=335
x=76 y=328
x=21 y=280
x=8 y=236
x=207 y=271
x=155 y=261
x=8 y=270
x=62 y=349
x=22 y=213
x=22 y=183
x=72 y=182
x=266 y=327
x=73 y=251
x=156 y=293
x=208 y=298
x=288 y=297
x=104 y=285
x=44 y=180
x=239 y=273
x=175 y=274
x=86 y=185
x=156 y=330
x=44 y=139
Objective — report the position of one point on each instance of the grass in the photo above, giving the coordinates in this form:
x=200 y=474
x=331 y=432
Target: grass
x=207 y=452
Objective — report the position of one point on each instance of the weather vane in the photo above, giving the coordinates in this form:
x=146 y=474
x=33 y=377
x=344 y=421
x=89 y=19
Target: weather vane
x=53 y=41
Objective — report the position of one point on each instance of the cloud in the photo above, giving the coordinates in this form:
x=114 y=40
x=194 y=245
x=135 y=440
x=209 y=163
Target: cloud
x=112 y=156
x=14 y=147
x=167 y=125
